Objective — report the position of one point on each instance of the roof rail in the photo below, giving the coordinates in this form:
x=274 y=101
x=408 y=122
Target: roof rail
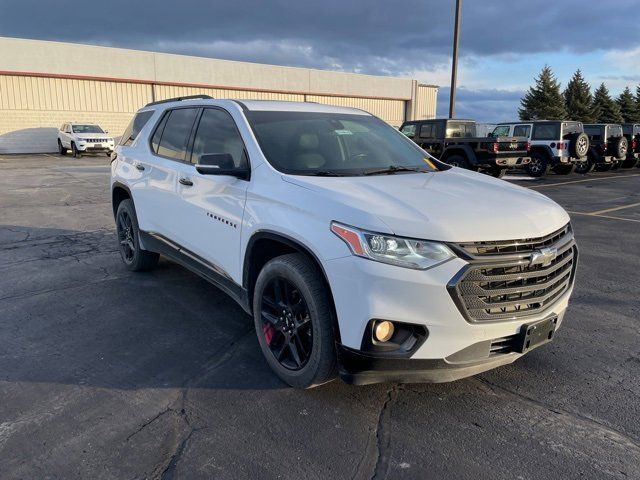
x=178 y=99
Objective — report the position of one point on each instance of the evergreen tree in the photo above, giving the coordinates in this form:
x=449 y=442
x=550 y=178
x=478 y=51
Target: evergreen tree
x=628 y=106
x=543 y=100
x=578 y=99
x=607 y=110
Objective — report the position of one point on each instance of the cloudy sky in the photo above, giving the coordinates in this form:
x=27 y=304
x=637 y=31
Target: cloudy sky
x=504 y=43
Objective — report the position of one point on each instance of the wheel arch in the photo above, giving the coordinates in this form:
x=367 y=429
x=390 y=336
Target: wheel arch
x=265 y=245
x=119 y=192
x=464 y=150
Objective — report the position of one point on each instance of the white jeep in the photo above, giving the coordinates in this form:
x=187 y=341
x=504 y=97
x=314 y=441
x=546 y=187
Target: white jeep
x=84 y=138
x=558 y=145
x=355 y=252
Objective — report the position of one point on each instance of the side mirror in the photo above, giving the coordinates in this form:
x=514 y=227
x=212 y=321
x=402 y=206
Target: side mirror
x=221 y=164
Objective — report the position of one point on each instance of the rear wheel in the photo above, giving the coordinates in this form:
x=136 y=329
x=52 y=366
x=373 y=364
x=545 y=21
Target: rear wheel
x=603 y=167
x=294 y=319
x=61 y=149
x=496 y=172
x=457 y=161
x=564 y=169
x=133 y=256
x=537 y=167
x=584 y=167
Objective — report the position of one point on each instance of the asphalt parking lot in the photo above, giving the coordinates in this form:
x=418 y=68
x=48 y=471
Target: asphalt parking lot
x=106 y=373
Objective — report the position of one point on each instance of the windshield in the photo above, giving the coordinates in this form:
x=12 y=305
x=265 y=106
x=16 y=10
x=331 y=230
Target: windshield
x=309 y=143
x=87 y=129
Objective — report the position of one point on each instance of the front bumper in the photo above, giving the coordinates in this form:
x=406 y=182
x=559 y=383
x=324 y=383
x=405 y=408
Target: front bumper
x=92 y=148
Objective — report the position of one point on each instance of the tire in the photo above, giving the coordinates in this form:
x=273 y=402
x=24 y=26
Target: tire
x=277 y=319
x=629 y=163
x=620 y=147
x=496 y=172
x=538 y=165
x=457 y=161
x=579 y=145
x=564 y=169
x=603 y=167
x=585 y=167
x=61 y=149
x=134 y=257
x=76 y=152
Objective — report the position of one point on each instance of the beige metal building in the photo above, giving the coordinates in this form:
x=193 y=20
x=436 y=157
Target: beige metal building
x=43 y=84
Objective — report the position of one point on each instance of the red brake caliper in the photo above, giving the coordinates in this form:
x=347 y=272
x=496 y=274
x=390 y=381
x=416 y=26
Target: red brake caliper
x=268 y=331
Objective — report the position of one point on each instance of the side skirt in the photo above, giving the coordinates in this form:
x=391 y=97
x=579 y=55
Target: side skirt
x=198 y=265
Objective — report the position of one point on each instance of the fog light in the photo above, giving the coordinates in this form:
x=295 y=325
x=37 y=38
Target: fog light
x=383 y=331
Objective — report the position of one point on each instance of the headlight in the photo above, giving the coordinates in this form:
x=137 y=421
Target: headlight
x=403 y=252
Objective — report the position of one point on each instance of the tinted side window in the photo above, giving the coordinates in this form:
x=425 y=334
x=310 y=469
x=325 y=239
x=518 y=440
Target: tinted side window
x=546 y=131
x=409 y=130
x=134 y=127
x=460 y=130
x=217 y=133
x=173 y=143
x=155 y=140
x=595 y=133
x=521 y=130
x=427 y=130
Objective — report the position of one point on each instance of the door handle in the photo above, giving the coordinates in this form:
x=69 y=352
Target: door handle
x=140 y=167
x=186 y=182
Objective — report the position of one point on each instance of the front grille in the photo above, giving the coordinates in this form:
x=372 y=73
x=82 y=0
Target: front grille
x=475 y=249
x=499 y=287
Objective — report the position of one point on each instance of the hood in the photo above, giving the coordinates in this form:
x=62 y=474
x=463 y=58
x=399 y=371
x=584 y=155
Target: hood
x=454 y=205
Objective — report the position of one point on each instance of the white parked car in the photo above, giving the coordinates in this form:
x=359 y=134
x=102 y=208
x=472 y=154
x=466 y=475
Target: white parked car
x=355 y=252
x=84 y=138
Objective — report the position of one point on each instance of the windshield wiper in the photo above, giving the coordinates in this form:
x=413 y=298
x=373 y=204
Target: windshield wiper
x=327 y=173
x=394 y=169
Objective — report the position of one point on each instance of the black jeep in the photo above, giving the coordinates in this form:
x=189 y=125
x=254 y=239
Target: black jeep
x=608 y=147
x=455 y=142
x=632 y=134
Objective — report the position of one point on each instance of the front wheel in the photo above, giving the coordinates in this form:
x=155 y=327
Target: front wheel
x=133 y=256
x=76 y=152
x=294 y=321
x=61 y=149
x=537 y=167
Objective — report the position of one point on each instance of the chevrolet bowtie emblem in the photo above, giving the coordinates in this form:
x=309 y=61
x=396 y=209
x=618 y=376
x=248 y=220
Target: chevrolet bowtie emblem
x=543 y=257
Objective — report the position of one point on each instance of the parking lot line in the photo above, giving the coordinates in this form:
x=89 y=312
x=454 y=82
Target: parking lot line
x=607 y=210
x=615 y=177
x=604 y=216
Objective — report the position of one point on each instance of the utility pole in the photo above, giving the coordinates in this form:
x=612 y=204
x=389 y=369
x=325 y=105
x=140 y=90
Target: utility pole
x=454 y=66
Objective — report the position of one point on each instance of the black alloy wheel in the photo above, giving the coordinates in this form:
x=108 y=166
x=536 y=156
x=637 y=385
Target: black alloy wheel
x=537 y=167
x=286 y=324
x=126 y=237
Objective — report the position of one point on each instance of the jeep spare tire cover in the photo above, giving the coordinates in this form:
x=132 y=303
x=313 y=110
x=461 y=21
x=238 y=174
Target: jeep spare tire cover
x=620 y=147
x=579 y=145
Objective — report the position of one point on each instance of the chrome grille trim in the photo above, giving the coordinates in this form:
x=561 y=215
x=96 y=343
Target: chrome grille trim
x=516 y=248
x=506 y=287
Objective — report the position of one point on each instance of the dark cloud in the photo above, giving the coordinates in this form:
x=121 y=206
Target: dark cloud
x=377 y=37
x=482 y=105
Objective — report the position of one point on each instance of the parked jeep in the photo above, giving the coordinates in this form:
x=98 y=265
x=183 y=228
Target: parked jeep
x=608 y=148
x=558 y=144
x=455 y=142
x=631 y=132
x=83 y=138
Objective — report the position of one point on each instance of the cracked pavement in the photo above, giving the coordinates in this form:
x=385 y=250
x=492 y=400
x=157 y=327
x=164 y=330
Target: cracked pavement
x=106 y=373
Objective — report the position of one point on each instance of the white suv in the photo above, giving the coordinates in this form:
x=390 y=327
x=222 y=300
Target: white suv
x=354 y=251
x=84 y=138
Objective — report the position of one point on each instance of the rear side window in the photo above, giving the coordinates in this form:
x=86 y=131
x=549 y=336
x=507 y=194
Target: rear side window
x=134 y=127
x=428 y=130
x=217 y=133
x=615 y=131
x=460 y=130
x=594 y=132
x=521 y=130
x=176 y=133
x=546 y=131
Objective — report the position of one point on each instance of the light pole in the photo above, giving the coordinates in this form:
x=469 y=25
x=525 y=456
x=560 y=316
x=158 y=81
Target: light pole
x=454 y=66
